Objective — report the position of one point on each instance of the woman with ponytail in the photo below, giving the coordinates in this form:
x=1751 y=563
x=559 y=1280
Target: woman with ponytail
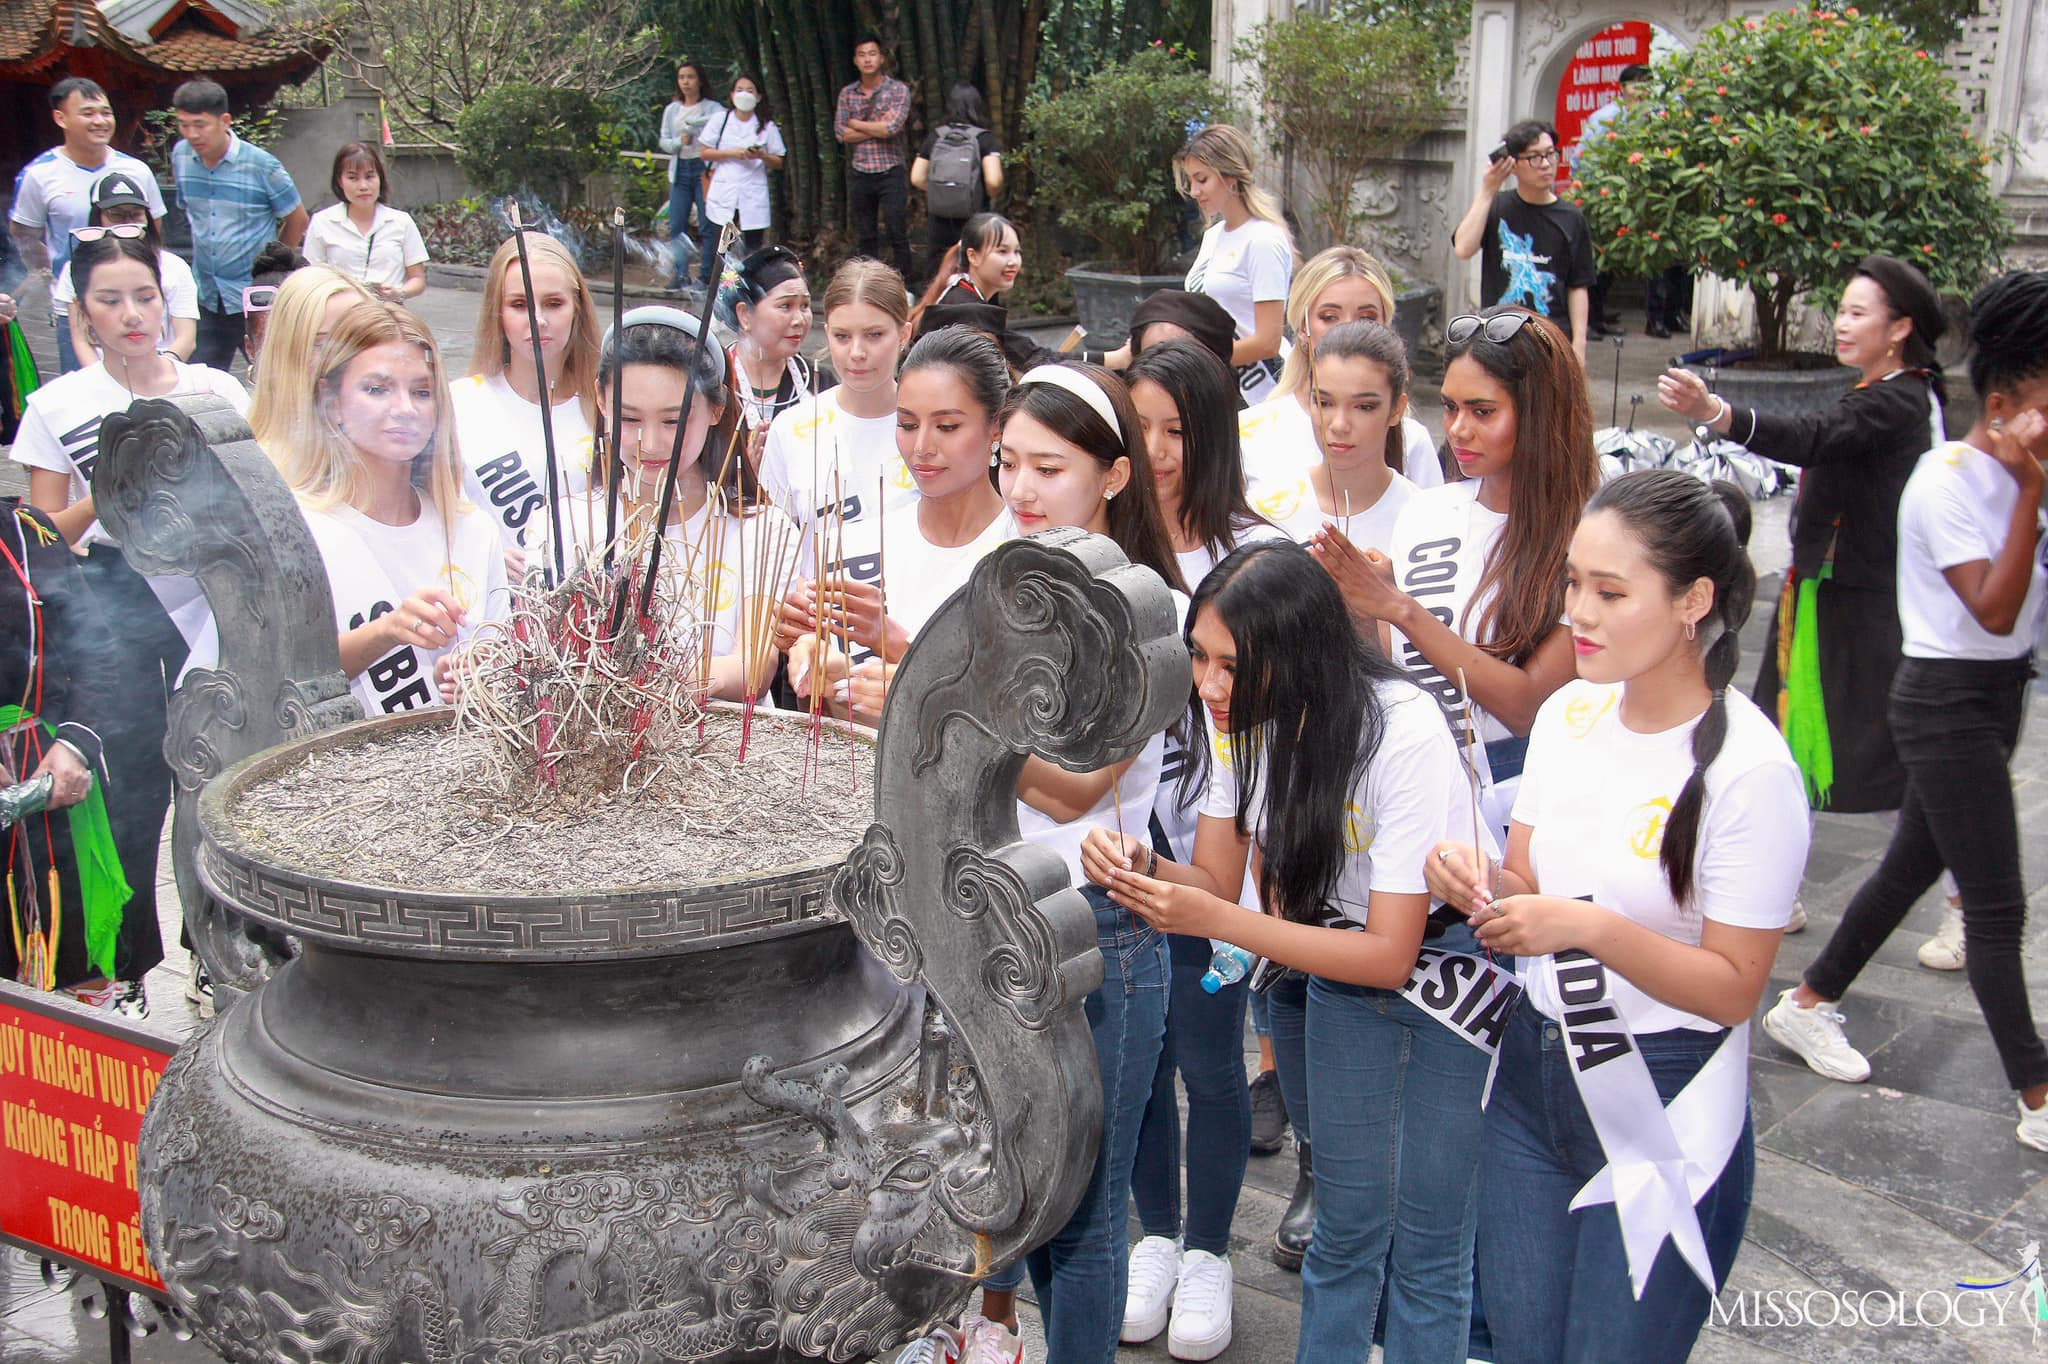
x=1656 y=845
x=1970 y=608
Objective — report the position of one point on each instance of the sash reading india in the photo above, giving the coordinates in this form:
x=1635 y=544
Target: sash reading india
x=1661 y=1160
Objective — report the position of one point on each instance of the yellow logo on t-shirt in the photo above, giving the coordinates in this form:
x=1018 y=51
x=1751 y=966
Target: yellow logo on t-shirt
x=1646 y=827
x=718 y=592
x=461 y=586
x=1358 y=829
x=903 y=481
x=1581 y=713
x=1253 y=420
x=1281 y=503
x=808 y=423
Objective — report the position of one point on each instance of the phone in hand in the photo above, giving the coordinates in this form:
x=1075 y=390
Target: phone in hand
x=1500 y=154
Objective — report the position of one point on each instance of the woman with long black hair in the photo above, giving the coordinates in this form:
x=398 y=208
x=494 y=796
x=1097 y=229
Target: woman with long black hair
x=1656 y=844
x=1970 y=603
x=1344 y=777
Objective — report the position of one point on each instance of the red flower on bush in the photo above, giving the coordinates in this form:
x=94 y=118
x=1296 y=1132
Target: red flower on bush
x=1621 y=231
x=1635 y=158
x=1779 y=219
x=1749 y=203
x=1720 y=89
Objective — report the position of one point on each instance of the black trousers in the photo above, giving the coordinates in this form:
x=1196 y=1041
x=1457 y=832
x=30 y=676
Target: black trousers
x=1955 y=723
x=219 y=339
x=889 y=192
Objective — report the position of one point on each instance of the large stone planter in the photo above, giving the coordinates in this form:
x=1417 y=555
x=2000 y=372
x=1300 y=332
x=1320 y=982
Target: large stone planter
x=1780 y=392
x=1106 y=298
x=1418 y=323
x=791 y=1115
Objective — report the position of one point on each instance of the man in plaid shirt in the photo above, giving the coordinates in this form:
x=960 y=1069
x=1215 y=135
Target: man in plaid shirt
x=869 y=120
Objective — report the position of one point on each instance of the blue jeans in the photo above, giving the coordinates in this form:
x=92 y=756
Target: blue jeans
x=684 y=195
x=1079 y=1275
x=1287 y=1023
x=1205 y=1044
x=1559 y=1278
x=67 y=354
x=1395 y=1100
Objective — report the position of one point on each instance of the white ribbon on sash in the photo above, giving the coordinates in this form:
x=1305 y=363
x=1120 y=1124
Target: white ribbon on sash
x=1660 y=1160
x=1467 y=994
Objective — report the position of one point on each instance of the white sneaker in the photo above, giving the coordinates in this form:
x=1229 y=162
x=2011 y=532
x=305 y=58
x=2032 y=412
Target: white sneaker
x=937 y=1348
x=1815 y=1036
x=1148 y=1298
x=1797 y=923
x=1944 y=951
x=1201 y=1307
x=986 y=1342
x=2033 y=1128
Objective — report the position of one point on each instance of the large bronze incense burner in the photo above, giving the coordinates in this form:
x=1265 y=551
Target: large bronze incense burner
x=785 y=1115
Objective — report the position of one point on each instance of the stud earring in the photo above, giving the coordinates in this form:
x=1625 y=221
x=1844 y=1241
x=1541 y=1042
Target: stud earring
x=1107 y=495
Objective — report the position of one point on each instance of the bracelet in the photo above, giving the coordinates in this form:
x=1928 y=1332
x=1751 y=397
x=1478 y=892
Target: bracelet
x=1724 y=411
x=1152 y=867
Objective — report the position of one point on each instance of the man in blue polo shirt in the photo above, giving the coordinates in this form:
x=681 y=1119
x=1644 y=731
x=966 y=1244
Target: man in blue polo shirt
x=238 y=197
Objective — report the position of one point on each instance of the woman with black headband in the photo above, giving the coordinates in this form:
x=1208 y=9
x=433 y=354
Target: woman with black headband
x=1834 y=643
x=768 y=303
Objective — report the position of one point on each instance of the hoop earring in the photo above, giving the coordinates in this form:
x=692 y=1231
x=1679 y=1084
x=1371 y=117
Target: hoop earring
x=1692 y=630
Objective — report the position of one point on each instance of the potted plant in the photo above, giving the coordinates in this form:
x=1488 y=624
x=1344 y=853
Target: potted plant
x=1342 y=92
x=1101 y=157
x=1777 y=153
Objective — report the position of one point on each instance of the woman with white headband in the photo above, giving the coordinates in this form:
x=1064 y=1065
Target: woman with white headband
x=1071 y=455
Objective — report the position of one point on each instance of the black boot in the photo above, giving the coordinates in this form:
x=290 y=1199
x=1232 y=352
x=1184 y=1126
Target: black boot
x=1298 y=1223
x=1269 y=1114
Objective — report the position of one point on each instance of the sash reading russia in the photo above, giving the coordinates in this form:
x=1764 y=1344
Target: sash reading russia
x=72 y=1093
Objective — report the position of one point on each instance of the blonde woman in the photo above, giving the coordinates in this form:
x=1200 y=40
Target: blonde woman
x=497 y=409
x=309 y=302
x=1247 y=257
x=413 y=567
x=1278 y=436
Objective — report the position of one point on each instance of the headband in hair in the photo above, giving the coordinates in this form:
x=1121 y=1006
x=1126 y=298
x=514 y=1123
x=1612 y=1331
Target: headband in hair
x=766 y=268
x=654 y=315
x=1082 y=387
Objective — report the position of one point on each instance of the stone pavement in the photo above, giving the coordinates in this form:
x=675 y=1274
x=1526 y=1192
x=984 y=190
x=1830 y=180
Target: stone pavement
x=1871 y=1200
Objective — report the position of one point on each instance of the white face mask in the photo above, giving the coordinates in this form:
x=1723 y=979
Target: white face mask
x=745 y=100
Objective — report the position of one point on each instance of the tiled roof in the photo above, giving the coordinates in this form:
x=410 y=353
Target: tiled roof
x=35 y=35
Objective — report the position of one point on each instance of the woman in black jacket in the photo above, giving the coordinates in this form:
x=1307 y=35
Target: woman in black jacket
x=64 y=882
x=1834 y=643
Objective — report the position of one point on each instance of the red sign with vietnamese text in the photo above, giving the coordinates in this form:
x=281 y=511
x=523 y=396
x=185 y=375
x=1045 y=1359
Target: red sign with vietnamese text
x=1593 y=78
x=73 y=1085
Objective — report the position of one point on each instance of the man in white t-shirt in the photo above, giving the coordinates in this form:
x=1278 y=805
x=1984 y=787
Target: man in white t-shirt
x=53 y=194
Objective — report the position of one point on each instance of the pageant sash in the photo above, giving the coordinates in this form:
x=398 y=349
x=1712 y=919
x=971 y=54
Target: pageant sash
x=1466 y=993
x=1660 y=1161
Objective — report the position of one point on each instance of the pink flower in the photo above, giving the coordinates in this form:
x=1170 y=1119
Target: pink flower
x=1635 y=158
x=1720 y=89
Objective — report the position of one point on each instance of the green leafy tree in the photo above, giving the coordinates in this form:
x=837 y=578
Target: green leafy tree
x=1346 y=92
x=1102 y=152
x=527 y=137
x=1779 y=151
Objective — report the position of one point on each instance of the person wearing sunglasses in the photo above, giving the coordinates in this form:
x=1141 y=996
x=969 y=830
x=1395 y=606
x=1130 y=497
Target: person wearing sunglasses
x=120 y=210
x=1535 y=251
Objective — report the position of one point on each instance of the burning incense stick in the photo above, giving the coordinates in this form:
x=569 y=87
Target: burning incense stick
x=547 y=397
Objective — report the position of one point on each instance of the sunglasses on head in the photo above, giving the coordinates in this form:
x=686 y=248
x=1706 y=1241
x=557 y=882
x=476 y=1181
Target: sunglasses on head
x=1499 y=328
x=259 y=298
x=127 y=232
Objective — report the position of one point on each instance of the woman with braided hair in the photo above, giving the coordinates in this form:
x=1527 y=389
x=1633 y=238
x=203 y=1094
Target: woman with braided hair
x=1656 y=843
x=1970 y=606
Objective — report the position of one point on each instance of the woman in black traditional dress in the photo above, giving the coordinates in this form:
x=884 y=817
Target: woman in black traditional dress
x=1834 y=643
x=65 y=890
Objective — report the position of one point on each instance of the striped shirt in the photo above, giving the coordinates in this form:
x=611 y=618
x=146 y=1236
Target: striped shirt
x=889 y=103
x=234 y=209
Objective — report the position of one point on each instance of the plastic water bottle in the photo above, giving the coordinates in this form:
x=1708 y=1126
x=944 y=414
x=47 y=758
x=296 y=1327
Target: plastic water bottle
x=1227 y=966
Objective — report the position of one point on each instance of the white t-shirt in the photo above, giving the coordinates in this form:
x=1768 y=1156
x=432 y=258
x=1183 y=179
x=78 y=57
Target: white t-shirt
x=1596 y=795
x=814 y=439
x=1955 y=510
x=1278 y=441
x=739 y=186
x=1411 y=797
x=1251 y=264
x=1439 y=548
x=505 y=454
x=1196 y=563
x=60 y=425
x=181 y=292
x=53 y=194
x=920 y=575
x=372 y=568
x=380 y=256
x=1293 y=507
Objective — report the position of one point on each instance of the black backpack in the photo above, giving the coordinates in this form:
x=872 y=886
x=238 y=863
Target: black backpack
x=953 y=188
